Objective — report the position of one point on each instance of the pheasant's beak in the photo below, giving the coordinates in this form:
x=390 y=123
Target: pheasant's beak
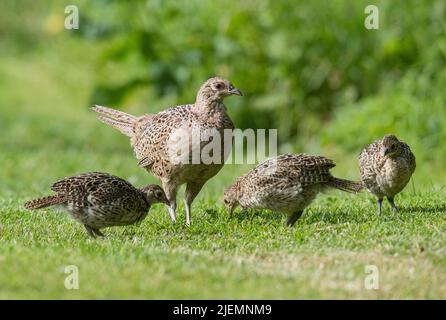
x=236 y=92
x=385 y=152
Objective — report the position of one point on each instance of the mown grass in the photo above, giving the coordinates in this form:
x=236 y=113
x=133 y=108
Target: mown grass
x=251 y=255
x=47 y=132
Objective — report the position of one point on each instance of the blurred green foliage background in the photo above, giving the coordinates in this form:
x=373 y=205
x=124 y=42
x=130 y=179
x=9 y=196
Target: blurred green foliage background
x=309 y=68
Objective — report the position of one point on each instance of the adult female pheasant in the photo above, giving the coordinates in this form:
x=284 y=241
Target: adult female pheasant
x=165 y=143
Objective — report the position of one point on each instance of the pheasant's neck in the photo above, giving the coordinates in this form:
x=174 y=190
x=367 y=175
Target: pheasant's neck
x=236 y=187
x=210 y=107
x=145 y=198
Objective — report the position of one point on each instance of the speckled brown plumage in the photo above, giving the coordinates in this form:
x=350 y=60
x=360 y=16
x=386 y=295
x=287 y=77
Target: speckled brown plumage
x=156 y=137
x=386 y=167
x=287 y=183
x=98 y=200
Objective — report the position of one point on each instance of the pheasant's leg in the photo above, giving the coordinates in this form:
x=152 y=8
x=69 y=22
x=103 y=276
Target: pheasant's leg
x=293 y=218
x=187 y=206
x=90 y=231
x=392 y=204
x=192 y=190
x=380 y=203
x=172 y=208
x=171 y=193
x=98 y=232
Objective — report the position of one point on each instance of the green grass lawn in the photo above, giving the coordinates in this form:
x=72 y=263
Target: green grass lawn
x=47 y=132
x=252 y=255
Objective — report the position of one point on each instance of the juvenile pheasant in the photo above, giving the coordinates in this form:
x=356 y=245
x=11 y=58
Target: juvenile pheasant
x=386 y=167
x=164 y=142
x=99 y=200
x=287 y=183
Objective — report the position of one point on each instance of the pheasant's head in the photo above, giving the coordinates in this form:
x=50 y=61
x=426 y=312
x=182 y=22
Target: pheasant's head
x=155 y=194
x=391 y=146
x=216 y=89
x=231 y=198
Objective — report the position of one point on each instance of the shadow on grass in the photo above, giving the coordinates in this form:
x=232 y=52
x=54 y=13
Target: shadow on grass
x=308 y=217
x=212 y=212
x=336 y=217
x=257 y=214
x=424 y=209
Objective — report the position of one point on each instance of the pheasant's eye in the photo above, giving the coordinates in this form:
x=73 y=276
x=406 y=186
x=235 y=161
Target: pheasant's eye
x=219 y=86
x=158 y=194
x=231 y=87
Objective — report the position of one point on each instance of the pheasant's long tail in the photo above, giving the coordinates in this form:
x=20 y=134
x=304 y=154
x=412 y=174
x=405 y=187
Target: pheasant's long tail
x=346 y=185
x=122 y=121
x=44 y=202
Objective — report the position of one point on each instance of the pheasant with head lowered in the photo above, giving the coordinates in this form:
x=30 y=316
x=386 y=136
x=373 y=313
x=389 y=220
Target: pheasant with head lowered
x=386 y=167
x=164 y=143
x=287 y=184
x=99 y=200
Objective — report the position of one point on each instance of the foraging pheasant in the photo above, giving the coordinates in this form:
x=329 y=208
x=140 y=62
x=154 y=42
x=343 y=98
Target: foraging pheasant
x=98 y=200
x=287 y=183
x=164 y=143
x=386 y=167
